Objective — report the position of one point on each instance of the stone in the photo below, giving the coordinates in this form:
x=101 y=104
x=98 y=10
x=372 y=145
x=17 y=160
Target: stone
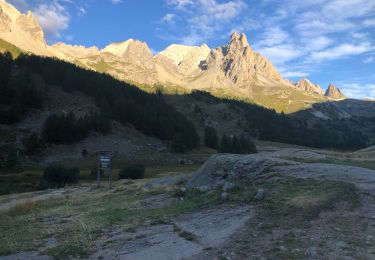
x=204 y=188
x=224 y=196
x=308 y=86
x=261 y=194
x=334 y=92
x=228 y=186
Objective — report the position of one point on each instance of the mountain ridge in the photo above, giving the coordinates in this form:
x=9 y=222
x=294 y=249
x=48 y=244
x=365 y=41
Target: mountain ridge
x=234 y=70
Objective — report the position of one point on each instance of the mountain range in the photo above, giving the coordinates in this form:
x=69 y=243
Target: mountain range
x=233 y=71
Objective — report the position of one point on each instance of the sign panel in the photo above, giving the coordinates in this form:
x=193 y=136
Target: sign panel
x=105 y=160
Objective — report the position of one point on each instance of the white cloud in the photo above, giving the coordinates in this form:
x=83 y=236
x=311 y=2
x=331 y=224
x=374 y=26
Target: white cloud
x=295 y=74
x=341 y=51
x=180 y=4
x=53 y=18
x=369 y=60
x=274 y=36
x=369 y=22
x=168 y=18
x=116 y=2
x=206 y=18
x=280 y=54
x=356 y=90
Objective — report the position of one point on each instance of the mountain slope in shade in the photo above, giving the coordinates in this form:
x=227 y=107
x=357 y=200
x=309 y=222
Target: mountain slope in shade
x=334 y=92
x=234 y=70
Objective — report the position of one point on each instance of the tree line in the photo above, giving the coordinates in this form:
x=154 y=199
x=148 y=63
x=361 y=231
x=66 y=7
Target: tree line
x=268 y=125
x=117 y=100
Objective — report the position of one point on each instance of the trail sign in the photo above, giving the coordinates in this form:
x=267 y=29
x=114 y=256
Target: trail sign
x=105 y=163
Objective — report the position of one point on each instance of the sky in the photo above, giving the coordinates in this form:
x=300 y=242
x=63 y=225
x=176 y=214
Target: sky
x=327 y=41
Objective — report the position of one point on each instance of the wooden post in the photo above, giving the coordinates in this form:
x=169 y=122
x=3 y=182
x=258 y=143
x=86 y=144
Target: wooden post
x=110 y=176
x=98 y=175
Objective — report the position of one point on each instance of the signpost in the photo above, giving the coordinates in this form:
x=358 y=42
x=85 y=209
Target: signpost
x=105 y=163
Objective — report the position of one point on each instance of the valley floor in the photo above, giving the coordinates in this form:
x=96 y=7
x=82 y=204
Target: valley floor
x=303 y=204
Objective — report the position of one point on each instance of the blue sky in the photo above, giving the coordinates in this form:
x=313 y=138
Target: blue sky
x=327 y=41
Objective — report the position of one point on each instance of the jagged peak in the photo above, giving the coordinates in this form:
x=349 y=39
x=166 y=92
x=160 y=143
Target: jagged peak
x=306 y=85
x=334 y=92
x=118 y=48
x=177 y=52
x=239 y=40
x=9 y=10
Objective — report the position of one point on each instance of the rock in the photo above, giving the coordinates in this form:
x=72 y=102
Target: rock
x=308 y=86
x=224 y=196
x=340 y=244
x=334 y=92
x=221 y=168
x=228 y=186
x=204 y=188
x=311 y=252
x=261 y=194
x=183 y=190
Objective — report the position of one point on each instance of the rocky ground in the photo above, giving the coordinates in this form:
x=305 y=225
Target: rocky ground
x=284 y=204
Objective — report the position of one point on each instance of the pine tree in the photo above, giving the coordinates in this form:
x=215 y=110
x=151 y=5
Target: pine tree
x=210 y=137
x=225 y=145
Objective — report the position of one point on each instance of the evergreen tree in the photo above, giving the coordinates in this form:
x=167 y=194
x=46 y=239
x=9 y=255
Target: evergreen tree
x=34 y=144
x=210 y=137
x=226 y=144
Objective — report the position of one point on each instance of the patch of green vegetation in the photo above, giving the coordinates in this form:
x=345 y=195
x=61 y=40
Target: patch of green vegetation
x=77 y=223
x=303 y=199
x=100 y=66
x=6 y=46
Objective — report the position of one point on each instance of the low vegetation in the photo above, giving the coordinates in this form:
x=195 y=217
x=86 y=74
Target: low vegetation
x=133 y=172
x=60 y=176
x=27 y=227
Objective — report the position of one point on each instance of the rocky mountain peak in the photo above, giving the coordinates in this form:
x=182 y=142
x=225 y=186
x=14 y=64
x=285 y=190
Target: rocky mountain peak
x=22 y=30
x=76 y=51
x=306 y=85
x=29 y=24
x=6 y=9
x=334 y=92
x=118 y=48
x=238 y=41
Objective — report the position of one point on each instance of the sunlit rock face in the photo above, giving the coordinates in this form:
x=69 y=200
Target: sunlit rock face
x=334 y=92
x=307 y=85
x=21 y=30
x=234 y=70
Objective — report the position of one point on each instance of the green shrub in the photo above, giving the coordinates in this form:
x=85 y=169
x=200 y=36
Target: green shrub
x=60 y=175
x=34 y=145
x=132 y=172
x=94 y=173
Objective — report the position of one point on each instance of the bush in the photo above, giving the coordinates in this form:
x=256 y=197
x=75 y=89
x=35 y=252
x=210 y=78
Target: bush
x=210 y=138
x=132 y=172
x=233 y=144
x=94 y=173
x=60 y=175
x=34 y=145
